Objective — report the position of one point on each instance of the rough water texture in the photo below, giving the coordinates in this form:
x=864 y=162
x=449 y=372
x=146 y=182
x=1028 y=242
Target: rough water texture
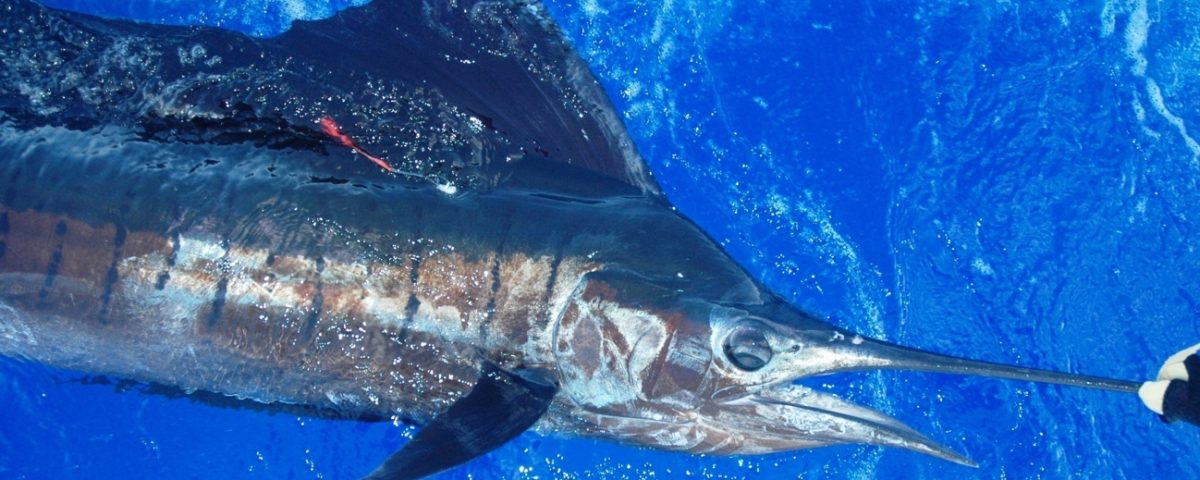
x=1003 y=181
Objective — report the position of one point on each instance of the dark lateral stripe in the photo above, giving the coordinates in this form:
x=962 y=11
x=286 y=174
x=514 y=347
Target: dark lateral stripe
x=410 y=312
x=550 y=283
x=161 y=282
x=119 y=239
x=414 y=273
x=491 y=304
x=60 y=231
x=318 y=302
x=218 y=303
x=485 y=327
x=411 y=306
x=165 y=275
x=110 y=280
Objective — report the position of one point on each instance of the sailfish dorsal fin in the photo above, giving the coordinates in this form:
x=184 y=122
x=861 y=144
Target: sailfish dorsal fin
x=503 y=65
x=483 y=94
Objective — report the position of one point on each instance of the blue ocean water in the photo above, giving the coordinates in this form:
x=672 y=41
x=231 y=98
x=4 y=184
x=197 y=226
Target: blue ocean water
x=1006 y=181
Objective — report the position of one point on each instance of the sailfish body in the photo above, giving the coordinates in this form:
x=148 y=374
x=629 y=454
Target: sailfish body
x=195 y=208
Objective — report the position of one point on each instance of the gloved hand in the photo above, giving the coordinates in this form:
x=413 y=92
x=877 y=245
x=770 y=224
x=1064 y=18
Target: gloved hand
x=1176 y=393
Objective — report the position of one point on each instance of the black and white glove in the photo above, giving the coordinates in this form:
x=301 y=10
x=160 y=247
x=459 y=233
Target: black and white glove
x=1176 y=393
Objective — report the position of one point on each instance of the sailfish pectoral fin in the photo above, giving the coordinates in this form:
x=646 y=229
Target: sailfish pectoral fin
x=499 y=407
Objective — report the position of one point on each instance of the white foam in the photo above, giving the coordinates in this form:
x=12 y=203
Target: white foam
x=982 y=267
x=1137 y=34
x=1160 y=107
x=592 y=8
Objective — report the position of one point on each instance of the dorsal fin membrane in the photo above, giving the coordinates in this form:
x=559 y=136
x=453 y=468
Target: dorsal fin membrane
x=474 y=94
x=505 y=63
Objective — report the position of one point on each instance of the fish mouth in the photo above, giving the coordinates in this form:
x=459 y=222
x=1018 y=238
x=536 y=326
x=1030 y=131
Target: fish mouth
x=789 y=417
x=767 y=349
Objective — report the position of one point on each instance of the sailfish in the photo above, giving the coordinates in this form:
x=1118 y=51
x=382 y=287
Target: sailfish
x=428 y=210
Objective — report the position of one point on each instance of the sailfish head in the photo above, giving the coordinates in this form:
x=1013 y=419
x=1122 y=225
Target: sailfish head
x=653 y=366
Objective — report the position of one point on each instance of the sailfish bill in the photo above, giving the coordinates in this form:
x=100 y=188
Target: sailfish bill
x=418 y=209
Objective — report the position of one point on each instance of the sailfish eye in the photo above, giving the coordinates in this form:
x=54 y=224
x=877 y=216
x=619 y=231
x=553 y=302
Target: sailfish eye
x=747 y=347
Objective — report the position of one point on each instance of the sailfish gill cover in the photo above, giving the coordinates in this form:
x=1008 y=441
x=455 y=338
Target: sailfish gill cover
x=1011 y=180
